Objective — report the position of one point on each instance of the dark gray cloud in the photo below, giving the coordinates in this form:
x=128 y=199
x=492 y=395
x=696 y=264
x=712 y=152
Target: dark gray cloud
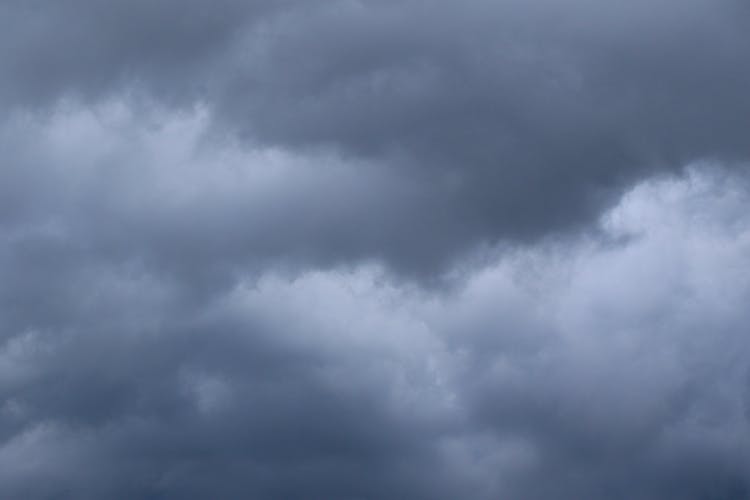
x=567 y=371
x=217 y=221
x=512 y=120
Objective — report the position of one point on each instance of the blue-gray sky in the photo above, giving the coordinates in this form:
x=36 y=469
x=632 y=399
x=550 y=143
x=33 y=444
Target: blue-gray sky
x=394 y=249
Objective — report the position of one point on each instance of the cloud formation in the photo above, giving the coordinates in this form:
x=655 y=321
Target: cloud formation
x=356 y=249
x=513 y=120
x=578 y=371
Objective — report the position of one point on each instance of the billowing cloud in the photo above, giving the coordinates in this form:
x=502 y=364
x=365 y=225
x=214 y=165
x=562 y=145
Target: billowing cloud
x=585 y=368
x=374 y=249
x=514 y=119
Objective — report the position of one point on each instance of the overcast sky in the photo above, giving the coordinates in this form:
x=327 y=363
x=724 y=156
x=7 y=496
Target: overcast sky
x=375 y=249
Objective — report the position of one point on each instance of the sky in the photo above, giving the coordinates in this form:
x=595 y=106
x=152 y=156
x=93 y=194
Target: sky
x=375 y=249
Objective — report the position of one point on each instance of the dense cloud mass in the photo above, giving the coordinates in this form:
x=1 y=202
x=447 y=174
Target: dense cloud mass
x=396 y=249
x=510 y=119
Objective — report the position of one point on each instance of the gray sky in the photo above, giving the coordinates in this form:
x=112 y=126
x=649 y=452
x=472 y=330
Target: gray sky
x=393 y=249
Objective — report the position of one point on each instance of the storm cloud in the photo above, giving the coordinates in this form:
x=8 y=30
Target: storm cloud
x=400 y=249
x=511 y=120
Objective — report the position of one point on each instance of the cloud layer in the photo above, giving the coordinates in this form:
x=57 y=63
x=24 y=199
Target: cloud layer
x=588 y=370
x=356 y=249
x=510 y=119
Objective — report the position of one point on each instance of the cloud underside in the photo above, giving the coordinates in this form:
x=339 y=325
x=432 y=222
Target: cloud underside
x=501 y=120
x=359 y=249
